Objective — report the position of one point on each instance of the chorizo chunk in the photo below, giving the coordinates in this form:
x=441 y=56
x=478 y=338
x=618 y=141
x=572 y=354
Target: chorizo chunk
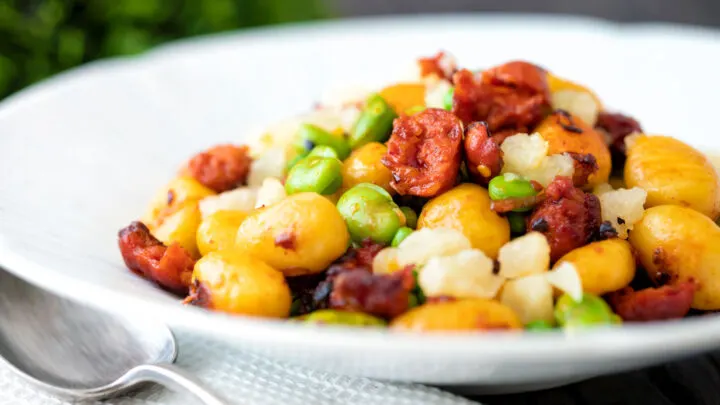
x=424 y=153
x=568 y=217
x=354 y=259
x=382 y=295
x=653 y=304
x=511 y=98
x=484 y=156
x=617 y=127
x=170 y=267
x=222 y=167
x=440 y=65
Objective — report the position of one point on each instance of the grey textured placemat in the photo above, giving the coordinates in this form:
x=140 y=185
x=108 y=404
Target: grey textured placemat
x=246 y=379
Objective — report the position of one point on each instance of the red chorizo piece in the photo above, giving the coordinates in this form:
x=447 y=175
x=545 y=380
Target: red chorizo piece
x=424 y=153
x=382 y=295
x=439 y=65
x=354 y=259
x=568 y=217
x=617 y=127
x=511 y=98
x=222 y=167
x=653 y=304
x=170 y=267
x=483 y=153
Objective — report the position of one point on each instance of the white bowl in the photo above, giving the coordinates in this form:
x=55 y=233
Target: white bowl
x=81 y=155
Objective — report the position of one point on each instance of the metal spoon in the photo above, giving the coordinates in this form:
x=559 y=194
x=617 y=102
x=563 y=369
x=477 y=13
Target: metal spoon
x=77 y=352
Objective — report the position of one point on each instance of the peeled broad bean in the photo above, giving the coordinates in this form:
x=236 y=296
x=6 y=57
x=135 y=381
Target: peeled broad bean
x=400 y=236
x=335 y=317
x=411 y=217
x=590 y=311
x=374 y=124
x=309 y=136
x=370 y=212
x=317 y=174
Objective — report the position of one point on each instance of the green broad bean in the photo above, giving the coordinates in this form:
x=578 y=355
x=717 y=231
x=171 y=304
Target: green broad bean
x=417 y=292
x=591 y=310
x=370 y=212
x=448 y=99
x=294 y=160
x=309 y=136
x=321 y=175
x=539 y=325
x=510 y=185
x=517 y=223
x=324 y=151
x=374 y=124
x=335 y=317
x=400 y=236
x=410 y=217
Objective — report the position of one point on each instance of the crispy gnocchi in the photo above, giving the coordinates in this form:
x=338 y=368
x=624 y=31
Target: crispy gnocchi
x=503 y=199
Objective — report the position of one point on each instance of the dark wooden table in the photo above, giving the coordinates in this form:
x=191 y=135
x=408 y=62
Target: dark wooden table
x=695 y=381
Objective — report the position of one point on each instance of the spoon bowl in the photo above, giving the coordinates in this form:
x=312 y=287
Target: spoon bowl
x=75 y=351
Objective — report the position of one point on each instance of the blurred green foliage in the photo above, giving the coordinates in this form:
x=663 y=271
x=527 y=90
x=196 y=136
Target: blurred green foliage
x=41 y=37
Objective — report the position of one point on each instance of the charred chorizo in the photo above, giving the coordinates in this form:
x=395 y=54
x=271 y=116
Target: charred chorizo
x=381 y=295
x=617 y=127
x=221 y=168
x=568 y=217
x=512 y=97
x=170 y=267
x=653 y=304
x=483 y=153
x=424 y=153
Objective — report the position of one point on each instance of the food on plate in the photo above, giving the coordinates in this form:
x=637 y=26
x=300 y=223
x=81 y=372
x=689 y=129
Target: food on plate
x=502 y=199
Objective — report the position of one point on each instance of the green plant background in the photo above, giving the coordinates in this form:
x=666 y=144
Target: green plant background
x=39 y=38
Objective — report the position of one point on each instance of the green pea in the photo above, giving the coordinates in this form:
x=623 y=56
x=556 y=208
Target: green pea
x=591 y=310
x=410 y=217
x=374 y=124
x=400 y=236
x=415 y=109
x=539 y=325
x=309 y=136
x=335 y=317
x=370 y=212
x=448 y=99
x=417 y=291
x=321 y=175
x=412 y=301
x=517 y=222
x=324 y=151
x=510 y=185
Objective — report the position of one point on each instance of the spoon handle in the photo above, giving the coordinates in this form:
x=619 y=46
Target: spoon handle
x=175 y=378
